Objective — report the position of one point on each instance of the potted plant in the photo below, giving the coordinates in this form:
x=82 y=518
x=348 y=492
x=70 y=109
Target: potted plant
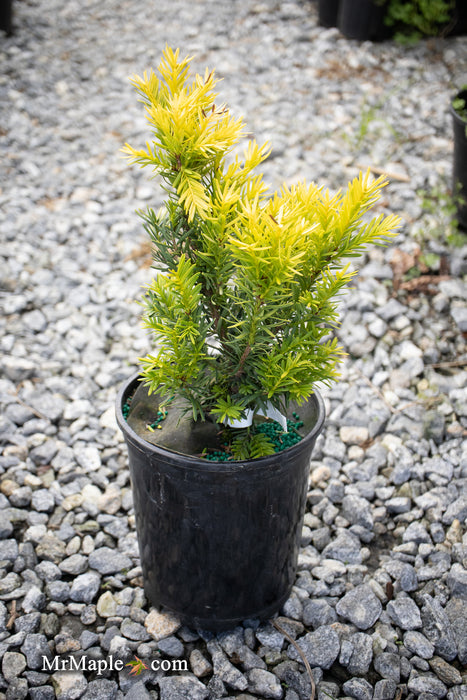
x=222 y=418
x=459 y=186
x=407 y=20
x=412 y=20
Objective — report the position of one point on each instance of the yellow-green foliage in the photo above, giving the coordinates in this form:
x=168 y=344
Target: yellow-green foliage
x=245 y=297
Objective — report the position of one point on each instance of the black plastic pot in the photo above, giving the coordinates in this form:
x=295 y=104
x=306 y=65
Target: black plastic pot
x=459 y=170
x=362 y=20
x=328 y=12
x=6 y=14
x=458 y=26
x=219 y=541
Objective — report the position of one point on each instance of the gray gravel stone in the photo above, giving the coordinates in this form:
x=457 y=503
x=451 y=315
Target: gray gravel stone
x=456 y=611
x=320 y=647
x=270 y=637
x=385 y=689
x=17 y=689
x=58 y=591
x=264 y=684
x=457 y=581
x=387 y=665
x=34 y=600
x=216 y=687
x=13 y=664
x=28 y=623
x=434 y=424
x=17 y=368
x=6 y=526
x=399 y=504
x=69 y=685
x=405 y=613
x=416 y=532
x=359 y=655
x=226 y=671
x=247 y=659
x=427 y=683
x=317 y=613
x=445 y=672
x=357 y=511
x=74 y=565
x=104 y=689
x=8 y=550
x=51 y=549
x=43 y=501
x=391 y=309
x=181 y=688
x=457 y=693
x=457 y=510
x=327 y=689
x=345 y=548
x=408 y=578
x=360 y=606
x=88 y=639
x=9 y=583
x=107 y=561
x=199 y=664
x=292 y=607
x=48 y=571
x=161 y=624
x=85 y=587
x=133 y=630
x=35 y=647
x=44 y=692
x=171 y=646
x=120 y=648
x=438 y=629
x=88 y=458
x=418 y=644
x=43 y=455
x=358 y=688
x=138 y=691
x=459 y=315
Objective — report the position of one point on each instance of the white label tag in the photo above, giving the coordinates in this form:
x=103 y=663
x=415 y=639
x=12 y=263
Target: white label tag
x=270 y=412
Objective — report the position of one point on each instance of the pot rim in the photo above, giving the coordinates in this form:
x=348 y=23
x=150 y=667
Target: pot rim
x=206 y=464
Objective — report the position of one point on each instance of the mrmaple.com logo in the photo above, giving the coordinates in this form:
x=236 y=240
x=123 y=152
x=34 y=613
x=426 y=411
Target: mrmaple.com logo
x=100 y=666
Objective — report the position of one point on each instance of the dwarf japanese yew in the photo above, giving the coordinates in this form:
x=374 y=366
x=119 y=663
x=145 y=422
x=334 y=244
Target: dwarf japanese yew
x=245 y=294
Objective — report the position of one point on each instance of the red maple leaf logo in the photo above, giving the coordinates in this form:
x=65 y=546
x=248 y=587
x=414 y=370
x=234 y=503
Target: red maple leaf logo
x=138 y=666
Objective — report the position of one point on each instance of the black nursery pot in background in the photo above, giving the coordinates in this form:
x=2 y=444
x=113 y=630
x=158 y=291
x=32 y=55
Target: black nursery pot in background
x=362 y=20
x=219 y=541
x=328 y=12
x=459 y=174
x=459 y=22
x=6 y=16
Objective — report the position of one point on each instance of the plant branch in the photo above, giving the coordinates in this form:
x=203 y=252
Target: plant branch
x=30 y=408
x=13 y=615
x=448 y=363
x=241 y=364
x=382 y=171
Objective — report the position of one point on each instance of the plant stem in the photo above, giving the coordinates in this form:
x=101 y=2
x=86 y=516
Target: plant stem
x=300 y=651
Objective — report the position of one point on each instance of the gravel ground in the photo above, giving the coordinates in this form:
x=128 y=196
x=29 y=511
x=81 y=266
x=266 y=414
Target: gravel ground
x=380 y=602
